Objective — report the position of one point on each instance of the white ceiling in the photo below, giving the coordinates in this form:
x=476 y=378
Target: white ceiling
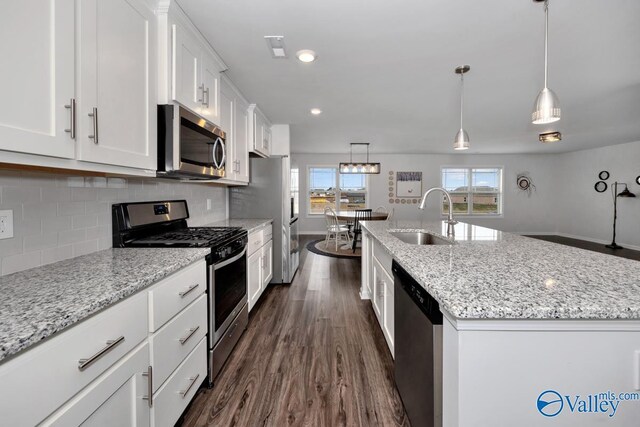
x=384 y=72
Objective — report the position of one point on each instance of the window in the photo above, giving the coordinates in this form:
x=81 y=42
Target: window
x=353 y=191
x=327 y=187
x=474 y=191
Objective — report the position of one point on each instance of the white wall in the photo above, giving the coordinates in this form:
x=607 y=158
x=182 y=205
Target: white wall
x=564 y=202
x=521 y=213
x=58 y=216
x=584 y=212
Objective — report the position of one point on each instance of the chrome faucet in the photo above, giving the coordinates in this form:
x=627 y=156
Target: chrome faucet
x=450 y=221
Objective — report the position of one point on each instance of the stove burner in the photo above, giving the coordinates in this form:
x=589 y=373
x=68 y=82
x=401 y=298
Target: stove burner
x=189 y=237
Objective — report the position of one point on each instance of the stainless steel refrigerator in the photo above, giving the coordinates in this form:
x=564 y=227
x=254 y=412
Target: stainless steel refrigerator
x=269 y=196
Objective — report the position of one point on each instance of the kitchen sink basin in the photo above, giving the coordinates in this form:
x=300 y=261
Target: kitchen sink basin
x=420 y=238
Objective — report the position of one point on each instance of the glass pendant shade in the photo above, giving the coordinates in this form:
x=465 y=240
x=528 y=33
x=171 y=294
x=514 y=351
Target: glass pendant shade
x=368 y=168
x=461 y=142
x=546 y=108
x=359 y=167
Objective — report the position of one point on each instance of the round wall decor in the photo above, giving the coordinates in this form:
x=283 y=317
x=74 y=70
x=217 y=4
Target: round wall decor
x=524 y=182
x=603 y=175
x=638 y=180
x=601 y=186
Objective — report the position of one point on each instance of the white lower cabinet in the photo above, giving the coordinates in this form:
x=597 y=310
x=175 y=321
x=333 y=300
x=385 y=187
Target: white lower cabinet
x=62 y=366
x=175 y=340
x=254 y=278
x=259 y=263
x=267 y=263
x=378 y=285
x=175 y=394
x=388 y=314
x=117 y=398
x=136 y=363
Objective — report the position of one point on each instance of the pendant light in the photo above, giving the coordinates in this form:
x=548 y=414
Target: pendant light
x=461 y=141
x=359 y=167
x=547 y=106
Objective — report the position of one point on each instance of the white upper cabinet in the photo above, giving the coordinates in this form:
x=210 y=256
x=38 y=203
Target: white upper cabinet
x=187 y=87
x=241 y=142
x=234 y=120
x=37 y=46
x=211 y=89
x=260 y=132
x=195 y=69
x=117 y=115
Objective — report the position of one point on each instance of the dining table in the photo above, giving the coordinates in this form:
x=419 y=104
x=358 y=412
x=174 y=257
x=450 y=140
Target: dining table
x=350 y=215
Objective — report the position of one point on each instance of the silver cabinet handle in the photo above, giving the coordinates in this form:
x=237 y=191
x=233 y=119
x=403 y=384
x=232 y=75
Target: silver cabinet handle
x=111 y=344
x=205 y=96
x=94 y=115
x=192 y=331
x=72 y=122
x=193 y=381
x=188 y=291
x=201 y=98
x=149 y=396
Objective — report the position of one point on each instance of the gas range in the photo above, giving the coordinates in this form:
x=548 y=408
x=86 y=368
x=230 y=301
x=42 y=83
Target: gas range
x=164 y=224
x=192 y=237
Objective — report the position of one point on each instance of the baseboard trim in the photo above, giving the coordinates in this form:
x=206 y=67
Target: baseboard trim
x=603 y=242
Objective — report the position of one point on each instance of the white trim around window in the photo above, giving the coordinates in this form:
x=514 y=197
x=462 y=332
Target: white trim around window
x=336 y=207
x=470 y=192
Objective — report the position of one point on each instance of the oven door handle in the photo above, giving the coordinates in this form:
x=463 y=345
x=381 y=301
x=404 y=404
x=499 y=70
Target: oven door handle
x=230 y=260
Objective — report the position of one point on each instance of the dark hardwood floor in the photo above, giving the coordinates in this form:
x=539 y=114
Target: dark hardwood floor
x=312 y=355
x=590 y=246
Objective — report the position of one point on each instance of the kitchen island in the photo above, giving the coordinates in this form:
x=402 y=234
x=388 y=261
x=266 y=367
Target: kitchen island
x=521 y=317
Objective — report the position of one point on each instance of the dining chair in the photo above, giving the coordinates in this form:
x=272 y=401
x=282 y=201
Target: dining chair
x=390 y=214
x=360 y=215
x=383 y=209
x=335 y=231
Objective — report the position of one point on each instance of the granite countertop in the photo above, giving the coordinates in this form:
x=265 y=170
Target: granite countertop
x=42 y=301
x=488 y=274
x=247 y=224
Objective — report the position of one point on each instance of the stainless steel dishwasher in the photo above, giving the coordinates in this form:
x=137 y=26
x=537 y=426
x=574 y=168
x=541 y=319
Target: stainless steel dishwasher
x=418 y=350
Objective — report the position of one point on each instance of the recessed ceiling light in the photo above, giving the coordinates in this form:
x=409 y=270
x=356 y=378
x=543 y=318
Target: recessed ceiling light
x=306 y=55
x=276 y=46
x=316 y=111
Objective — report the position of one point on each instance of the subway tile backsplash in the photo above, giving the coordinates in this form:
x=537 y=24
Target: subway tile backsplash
x=56 y=216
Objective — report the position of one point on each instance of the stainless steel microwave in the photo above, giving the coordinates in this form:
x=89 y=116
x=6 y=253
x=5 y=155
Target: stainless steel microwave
x=189 y=147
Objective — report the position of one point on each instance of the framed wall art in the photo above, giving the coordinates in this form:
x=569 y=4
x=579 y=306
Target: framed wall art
x=409 y=184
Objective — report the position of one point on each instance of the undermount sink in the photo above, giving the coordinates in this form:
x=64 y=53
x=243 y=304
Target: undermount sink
x=420 y=238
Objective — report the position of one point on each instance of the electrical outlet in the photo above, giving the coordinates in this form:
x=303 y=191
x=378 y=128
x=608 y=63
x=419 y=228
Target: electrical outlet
x=6 y=224
x=209 y=203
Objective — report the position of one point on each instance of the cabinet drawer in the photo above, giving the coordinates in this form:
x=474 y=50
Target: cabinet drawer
x=53 y=368
x=171 y=295
x=383 y=257
x=256 y=240
x=268 y=232
x=173 y=342
x=174 y=396
x=115 y=398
